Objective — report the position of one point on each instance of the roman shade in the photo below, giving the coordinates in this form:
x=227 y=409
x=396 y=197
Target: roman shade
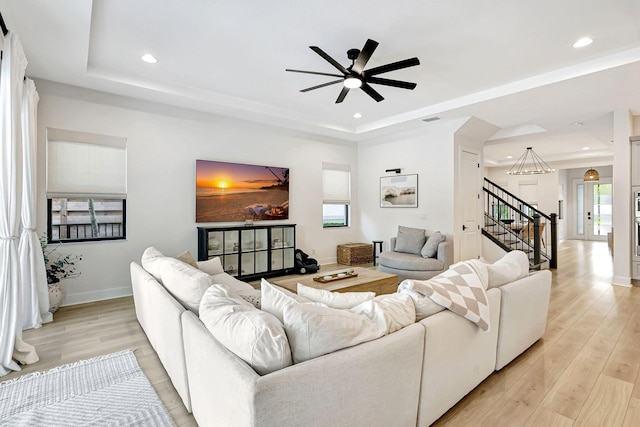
x=81 y=164
x=336 y=183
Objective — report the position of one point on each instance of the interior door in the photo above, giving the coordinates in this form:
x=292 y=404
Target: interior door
x=594 y=209
x=469 y=198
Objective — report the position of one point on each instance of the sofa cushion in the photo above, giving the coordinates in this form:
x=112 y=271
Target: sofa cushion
x=430 y=248
x=392 y=311
x=424 y=306
x=211 y=266
x=410 y=240
x=274 y=299
x=151 y=261
x=314 y=330
x=255 y=336
x=404 y=261
x=185 y=283
x=512 y=266
x=340 y=300
x=231 y=282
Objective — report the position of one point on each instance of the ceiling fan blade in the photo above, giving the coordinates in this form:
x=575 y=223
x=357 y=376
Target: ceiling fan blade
x=366 y=52
x=343 y=93
x=322 y=85
x=314 y=72
x=392 y=67
x=329 y=59
x=389 y=82
x=371 y=92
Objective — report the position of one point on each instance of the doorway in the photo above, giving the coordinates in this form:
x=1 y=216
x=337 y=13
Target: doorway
x=593 y=209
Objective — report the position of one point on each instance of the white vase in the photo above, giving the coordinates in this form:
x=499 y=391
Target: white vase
x=55 y=297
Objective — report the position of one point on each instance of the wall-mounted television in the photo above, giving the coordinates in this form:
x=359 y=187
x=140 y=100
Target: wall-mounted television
x=231 y=192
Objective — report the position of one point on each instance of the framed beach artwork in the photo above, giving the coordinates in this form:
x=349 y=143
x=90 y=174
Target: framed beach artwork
x=399 y=191
x=236 y=192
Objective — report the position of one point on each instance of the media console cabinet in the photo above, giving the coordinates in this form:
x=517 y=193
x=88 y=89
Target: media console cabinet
x=250 y=252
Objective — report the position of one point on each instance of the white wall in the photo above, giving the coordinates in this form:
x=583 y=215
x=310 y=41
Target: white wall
x=162 y=147
x=430 y=154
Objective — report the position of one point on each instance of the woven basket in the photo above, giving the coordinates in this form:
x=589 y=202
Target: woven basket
x=355 y=253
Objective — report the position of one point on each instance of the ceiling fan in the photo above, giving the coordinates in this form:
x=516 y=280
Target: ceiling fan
x=355 y=76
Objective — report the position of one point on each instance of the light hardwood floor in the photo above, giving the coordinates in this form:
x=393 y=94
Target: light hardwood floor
x=583 y=372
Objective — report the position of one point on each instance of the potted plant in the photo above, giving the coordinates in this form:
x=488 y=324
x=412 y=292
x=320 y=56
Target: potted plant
x=58 y=267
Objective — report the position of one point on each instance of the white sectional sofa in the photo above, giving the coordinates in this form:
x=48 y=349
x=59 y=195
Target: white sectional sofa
x=407 y=378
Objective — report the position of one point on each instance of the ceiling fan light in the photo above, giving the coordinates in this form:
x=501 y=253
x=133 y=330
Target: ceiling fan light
x=352 y=82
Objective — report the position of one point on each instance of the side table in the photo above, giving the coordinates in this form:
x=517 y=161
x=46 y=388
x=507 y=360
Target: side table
x=377 y=249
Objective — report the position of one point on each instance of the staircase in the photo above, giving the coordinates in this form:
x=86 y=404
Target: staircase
x=513 y=224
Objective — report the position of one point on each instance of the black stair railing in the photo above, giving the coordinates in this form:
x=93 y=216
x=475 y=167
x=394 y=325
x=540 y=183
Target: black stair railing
x=515 y=224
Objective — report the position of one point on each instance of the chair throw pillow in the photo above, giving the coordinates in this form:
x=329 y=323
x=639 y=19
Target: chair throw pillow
x=410 y=240
x=253 y=335
x=430 y=248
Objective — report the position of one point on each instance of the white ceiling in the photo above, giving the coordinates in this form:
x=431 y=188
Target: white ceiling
x=508 y=62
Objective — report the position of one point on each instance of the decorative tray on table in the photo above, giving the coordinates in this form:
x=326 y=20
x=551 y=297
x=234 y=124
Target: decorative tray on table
x=335 y=276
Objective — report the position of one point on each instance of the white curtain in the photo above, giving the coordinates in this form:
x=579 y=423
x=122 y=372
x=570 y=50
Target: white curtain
x=35 y=293
x=12 y=71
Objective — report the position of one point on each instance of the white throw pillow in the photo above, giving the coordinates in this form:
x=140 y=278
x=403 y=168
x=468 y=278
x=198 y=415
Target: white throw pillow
x=211 y=266
x=253 y=335
x=314 y=330
x=512 y=266
x=185 y=283
x=231 y=282
x=340 y=300
x=398 y=309
x=274 y=299
x=151 y=261
x=424 y=305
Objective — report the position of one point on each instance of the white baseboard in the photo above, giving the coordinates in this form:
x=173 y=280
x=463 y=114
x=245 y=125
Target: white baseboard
x=621 y=281
x=84 y=297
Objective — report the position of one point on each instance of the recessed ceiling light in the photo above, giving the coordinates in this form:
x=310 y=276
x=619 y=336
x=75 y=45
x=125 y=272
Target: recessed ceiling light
x=585 y=148
x=509 y=157
x=585 y=41
x=149 y=58
x=357 y=115
x=577 y=124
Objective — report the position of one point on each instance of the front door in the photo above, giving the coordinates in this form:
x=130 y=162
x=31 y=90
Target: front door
x=594 y=209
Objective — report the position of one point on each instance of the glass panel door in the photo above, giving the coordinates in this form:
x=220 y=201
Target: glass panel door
x=593 y=209
x=602 y=210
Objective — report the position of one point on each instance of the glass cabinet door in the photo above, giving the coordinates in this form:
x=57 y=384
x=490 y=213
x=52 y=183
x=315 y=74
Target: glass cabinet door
x=215 y=242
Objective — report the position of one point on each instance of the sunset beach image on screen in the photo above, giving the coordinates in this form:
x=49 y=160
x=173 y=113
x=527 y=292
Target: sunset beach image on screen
x=235 y=192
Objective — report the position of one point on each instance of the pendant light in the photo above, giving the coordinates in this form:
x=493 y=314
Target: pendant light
x=530 y=164
x=591 y=175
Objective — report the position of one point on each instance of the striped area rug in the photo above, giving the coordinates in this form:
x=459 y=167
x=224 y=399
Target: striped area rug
x=108 y=390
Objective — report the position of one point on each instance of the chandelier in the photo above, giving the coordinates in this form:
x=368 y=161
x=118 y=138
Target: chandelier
x=591 y=175
x=529 y=164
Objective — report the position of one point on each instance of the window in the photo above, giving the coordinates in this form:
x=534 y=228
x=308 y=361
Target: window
x=336 y=195
x=86 y=186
